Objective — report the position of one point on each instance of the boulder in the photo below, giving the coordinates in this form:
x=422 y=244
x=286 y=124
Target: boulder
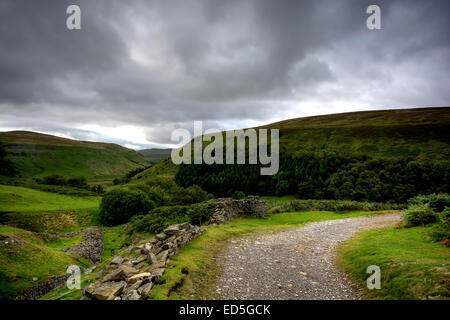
x=158 y=273
x=167 y=246
x=121 y=273
x=145 y=290
x=159 y=264
x=148 y=246
x=132 y=295
x=173 y=229
x=105 y=291
x=133 y=286
x=117 y=260
x=140 y=259
x=163 y=256
x=184 y=226
x=161 y=236
x=145 y=277
x=151 y=258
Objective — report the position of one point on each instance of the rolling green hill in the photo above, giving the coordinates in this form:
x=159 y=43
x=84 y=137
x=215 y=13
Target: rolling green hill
x=155 y=155
x=420 y=133
x=28 y=260
x=37 y=155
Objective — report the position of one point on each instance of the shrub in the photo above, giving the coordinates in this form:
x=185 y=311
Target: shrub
x=330 y=205
x=160 y=218
x=119 y=205
x=97 y=188
x=53 y=179
x=419 y=215
x=192 y=194
x=437 y=202
x=164 y=192
x=77 y=182
x=444 y=216
x=349 y=206
x=276 y=209
x=237 y=195
x=440 y=234
x=324 y=205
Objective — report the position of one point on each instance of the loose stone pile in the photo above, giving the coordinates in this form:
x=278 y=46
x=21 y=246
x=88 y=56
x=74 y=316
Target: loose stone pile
x=91 y=247
x=132 y=277
x=227 y=209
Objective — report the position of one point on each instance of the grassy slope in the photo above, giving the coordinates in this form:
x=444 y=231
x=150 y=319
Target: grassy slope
x=37 y=210
x=164 y=168
x=115 y=240
x=198 y=257
x=419 y=133
x=412 y=266
x=37 y=155
x=155 y=155
x=24 y=255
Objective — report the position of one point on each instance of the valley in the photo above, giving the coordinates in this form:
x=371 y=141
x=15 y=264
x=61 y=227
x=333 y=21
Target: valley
x=364 y=165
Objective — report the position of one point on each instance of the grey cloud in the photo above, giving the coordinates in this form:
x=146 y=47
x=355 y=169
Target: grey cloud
x=163 y=64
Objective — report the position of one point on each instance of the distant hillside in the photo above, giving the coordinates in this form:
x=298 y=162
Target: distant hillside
x=420 y=133
x=377 y=156
x=155 y=155
x=36 y=155
x=164 y=168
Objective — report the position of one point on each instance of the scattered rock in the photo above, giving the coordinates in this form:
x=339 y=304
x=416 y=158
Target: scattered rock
x=144 y=291
x=132 y=295
x=158 y=273
x=163 y=256
x=173 y=229
x=91 y=247
x=105 y=291
x=161 y=236
x=117 y=260
x=139 y=259
x=121 y=273
x=140 y=273
x=146 y=276
x=151 y=258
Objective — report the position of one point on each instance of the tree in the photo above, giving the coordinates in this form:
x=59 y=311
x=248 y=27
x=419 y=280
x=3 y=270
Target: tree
x=7 y=168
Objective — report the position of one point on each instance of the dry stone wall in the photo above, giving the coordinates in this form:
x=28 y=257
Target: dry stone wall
x=132 y=277
x=227 y=209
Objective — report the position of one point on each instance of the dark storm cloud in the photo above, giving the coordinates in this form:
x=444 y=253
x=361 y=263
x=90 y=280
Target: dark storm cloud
x=159 y=65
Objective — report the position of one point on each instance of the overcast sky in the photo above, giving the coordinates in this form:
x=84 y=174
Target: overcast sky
x=139 y=69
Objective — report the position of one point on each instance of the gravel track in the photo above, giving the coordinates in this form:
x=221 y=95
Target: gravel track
x=294 y=264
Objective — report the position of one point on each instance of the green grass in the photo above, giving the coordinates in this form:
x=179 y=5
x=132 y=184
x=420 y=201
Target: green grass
x=198 y=257
x=64 y=243
x=412 y=266
x=38 y=155
x=114 y=239
x=418 y=133
x=44 y=211
x=25 y=256
x=20 y=199
x=165 y=168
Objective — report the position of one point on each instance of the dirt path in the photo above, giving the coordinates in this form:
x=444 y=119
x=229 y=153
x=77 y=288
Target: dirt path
x=295 y=264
